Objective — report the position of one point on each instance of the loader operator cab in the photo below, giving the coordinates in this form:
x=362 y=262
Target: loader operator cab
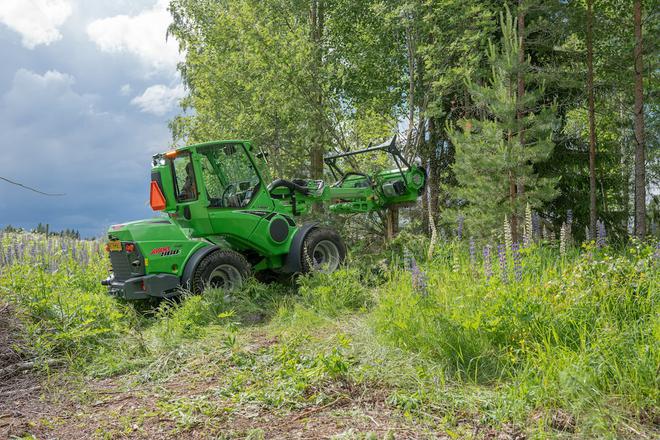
x=229 y=176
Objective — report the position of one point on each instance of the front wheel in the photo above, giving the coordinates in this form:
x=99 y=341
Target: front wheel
x=323 y=251
x=223 y=269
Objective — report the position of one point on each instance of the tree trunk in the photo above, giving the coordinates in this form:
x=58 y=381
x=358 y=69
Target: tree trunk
x=593 y=215
x=410 y=49
x=640 y=153
x=433 y=182
x=625 y=170
x=392 y=220
x=316 y=33
x=521 y=83
x=512 y=200
x=512 y=194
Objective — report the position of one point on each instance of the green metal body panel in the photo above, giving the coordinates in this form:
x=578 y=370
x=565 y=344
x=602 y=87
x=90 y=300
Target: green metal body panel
x=216 y=193
x=163 y=244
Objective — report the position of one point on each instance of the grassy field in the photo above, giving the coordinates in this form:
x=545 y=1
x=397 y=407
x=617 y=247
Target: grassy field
x=527 y=343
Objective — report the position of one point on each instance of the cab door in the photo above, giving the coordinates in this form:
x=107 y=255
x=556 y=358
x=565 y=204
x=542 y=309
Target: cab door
x=233 y=190
x=191 y=209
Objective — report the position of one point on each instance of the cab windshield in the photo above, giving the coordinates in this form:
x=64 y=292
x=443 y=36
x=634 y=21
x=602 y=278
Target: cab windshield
x=229 y=176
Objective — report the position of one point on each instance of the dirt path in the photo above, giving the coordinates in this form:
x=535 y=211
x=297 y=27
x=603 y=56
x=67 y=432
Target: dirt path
x=189 y=410
x=194 y=404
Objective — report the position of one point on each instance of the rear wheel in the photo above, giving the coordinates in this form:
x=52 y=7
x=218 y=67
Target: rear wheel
x=323 y=251
x=223 y=269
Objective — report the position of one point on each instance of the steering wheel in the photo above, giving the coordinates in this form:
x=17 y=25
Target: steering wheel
x=224 y=199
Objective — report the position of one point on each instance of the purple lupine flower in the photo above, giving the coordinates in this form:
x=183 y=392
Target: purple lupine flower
x=488 y=268
x=656 y=254
x=501 y=253
x=419 y=283
x=517 y=261
x=459 y=228
x=601 y=236
x=473 y=257
x=569 y=218
x=18 y=250
x=536 y=225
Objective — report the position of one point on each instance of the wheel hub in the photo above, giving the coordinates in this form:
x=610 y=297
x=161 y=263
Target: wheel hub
x=225 y=277
x=326 y=256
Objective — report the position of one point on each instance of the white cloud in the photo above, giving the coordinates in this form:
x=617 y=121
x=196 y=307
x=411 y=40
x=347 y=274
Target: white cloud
x=142 y=35
x=36 y=20
x=159 y=99
x=125 y=90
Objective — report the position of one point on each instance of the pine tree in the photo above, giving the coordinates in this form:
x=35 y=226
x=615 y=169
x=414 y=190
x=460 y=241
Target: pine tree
x=494 y=168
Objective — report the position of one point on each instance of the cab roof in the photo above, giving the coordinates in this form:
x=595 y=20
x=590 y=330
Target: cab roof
x=217 y=142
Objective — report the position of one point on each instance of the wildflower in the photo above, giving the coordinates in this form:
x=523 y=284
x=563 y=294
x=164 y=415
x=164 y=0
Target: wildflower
x=501 y=253
x=517 y=261
x=562 y=239
x=419 y=283
x=528 y=231
x=488 y=269
x=459 y=227
x=473 y=257
x=407 y=259
x=569 y=218
x=601 y=234
x=18 y=250
x=536 y=225
x=587 y=233
x=507 y=232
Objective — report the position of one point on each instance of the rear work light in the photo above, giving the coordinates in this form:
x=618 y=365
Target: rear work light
x=130 y=247
x=156 y=197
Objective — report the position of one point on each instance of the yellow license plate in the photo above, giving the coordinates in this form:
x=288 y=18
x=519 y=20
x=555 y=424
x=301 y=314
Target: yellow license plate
x=114 y=245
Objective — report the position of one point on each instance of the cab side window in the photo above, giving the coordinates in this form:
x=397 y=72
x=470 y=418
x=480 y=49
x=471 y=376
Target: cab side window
x=185 y=187
x=214 y=187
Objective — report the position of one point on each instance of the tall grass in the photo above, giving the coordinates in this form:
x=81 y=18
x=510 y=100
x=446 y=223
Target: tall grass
x=576 y=331
x=55 y=285
x=579 y=333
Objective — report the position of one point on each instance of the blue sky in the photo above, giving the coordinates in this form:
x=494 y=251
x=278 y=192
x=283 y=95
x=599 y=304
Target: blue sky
x=86 y=91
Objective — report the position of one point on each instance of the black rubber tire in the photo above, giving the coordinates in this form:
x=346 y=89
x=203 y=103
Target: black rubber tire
x=215 y=260
x=313 y=239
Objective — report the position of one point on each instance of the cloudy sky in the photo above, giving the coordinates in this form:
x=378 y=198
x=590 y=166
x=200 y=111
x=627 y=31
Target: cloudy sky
x=86 y=90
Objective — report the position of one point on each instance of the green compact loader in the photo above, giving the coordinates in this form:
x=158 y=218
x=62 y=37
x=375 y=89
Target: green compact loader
x=224 y=219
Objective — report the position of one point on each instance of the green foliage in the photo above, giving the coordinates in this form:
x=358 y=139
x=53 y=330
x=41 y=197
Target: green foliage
x=501 y=149
x=66 y=311
x=263 y=70
x=580 y=334
x=576 y=335
x=190 y=317
x=342 y=291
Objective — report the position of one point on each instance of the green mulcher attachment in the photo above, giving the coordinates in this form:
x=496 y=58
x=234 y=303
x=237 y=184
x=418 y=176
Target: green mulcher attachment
x=224 y=221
